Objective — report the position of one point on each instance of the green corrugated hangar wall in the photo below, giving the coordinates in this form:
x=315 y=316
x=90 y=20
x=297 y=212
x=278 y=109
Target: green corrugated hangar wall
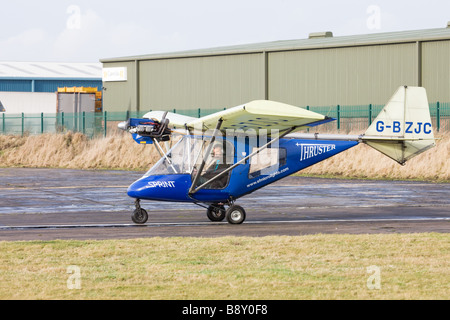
x=356 y=70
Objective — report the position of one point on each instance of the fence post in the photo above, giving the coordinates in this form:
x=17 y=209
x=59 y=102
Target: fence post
x=370 y=114
x=23 y=123
x=438 y=116
x=307 y=108
x=105 y=119
x=84 y=122
x=199 y=113
x=338 y=111
x=42 y=122
x=4 y=123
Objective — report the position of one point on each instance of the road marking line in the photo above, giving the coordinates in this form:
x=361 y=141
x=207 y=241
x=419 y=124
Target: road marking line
x=190 y=224
x=51 y=188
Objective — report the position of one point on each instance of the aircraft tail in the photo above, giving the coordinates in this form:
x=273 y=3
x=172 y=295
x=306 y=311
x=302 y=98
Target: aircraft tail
x=403 y=128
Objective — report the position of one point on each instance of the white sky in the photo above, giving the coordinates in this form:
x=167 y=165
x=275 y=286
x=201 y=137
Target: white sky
x=86 y=31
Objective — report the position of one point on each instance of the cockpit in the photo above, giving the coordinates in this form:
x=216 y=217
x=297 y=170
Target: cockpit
x=186 y=157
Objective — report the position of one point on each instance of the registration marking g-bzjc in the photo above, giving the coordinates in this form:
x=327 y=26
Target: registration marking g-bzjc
x=410 y=127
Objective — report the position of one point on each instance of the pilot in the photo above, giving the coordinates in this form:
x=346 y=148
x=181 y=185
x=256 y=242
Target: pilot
x=215 y=165
x=216 y=159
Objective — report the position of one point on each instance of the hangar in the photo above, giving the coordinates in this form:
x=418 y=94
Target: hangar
x=322 y=70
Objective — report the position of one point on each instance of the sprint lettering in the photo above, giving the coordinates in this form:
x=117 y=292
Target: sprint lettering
x=161 y=184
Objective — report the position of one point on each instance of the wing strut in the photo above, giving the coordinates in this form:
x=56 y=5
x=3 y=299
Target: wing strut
x=192 y=190
x=163 y=154
x=208 y=151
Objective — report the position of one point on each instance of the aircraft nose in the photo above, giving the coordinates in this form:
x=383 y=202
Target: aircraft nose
x=161 y=188
x=136 y=190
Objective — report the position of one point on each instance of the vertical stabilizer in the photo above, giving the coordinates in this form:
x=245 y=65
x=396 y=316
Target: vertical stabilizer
x=403 y=128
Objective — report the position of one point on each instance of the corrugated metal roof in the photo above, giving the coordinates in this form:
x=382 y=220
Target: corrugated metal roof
x=53 y=70
x=315 y=43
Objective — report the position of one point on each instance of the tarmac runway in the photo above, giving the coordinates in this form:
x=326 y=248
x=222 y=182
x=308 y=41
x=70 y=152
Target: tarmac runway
x=48 y=204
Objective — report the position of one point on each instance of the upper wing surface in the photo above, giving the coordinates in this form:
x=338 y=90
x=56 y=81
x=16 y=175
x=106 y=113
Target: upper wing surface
x=260 y=115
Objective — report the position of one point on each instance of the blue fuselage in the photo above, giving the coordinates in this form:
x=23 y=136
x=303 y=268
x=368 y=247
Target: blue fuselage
x=294 y=156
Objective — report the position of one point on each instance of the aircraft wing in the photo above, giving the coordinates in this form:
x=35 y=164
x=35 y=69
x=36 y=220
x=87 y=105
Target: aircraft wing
x=258 y=115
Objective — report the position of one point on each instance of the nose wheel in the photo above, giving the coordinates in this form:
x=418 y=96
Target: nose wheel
x=140 y=215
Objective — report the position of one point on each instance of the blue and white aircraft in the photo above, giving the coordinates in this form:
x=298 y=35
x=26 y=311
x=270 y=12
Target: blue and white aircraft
x=221 y=157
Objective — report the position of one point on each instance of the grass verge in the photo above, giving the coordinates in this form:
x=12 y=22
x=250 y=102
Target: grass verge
x=387 y=266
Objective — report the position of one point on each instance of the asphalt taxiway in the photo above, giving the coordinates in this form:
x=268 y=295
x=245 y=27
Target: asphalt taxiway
x=47 y=204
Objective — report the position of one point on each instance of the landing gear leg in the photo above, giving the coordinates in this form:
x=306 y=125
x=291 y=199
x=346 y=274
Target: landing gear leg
x=139 y=216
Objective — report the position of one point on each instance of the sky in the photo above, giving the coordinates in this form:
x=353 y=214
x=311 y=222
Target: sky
x=87 y=31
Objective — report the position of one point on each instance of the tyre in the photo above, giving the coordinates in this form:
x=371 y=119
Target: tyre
x=235 y=214
x=139 y=216
x=216 y=212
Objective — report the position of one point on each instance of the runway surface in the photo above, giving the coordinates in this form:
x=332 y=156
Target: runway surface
x=47 y=204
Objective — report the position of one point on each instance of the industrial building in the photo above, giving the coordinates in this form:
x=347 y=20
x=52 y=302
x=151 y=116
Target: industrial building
x=31 y=87
x=323 y=70
x=48 y=76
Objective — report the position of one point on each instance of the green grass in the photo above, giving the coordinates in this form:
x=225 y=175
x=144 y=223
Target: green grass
x=411 y=266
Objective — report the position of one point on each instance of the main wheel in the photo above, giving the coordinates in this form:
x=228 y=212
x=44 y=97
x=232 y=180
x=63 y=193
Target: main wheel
x=216 y=212
x=235 y=214
x=139 y=216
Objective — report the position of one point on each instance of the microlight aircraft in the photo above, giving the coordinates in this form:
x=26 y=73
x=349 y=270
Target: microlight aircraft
x=217 y=159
